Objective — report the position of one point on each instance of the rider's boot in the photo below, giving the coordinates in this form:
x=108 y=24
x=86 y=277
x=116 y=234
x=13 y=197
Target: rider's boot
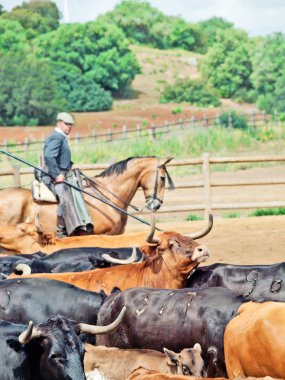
x=60 y=227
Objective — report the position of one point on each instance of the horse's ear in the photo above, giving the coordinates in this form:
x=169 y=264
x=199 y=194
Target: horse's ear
x=168 y=159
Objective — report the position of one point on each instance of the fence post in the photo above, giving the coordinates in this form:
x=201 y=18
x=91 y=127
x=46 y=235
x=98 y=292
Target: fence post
x=206 y=121
x=230 y=120
x=16 y=176
x=77 y=139
x=110 y=135
x=276 y=119
x=26 y=143
x=181 y=122
x=207 y=183
x=153 y=131
x=139 y=130
x=166 y=124
x=125 y=132
x=218 y=120
x=193 y=121
x=94 y=135
x=252 y=117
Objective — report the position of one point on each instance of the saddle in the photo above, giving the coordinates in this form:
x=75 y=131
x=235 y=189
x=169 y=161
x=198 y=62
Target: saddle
x=41 y=193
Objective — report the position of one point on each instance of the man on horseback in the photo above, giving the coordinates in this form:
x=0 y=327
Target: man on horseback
x=72 y=214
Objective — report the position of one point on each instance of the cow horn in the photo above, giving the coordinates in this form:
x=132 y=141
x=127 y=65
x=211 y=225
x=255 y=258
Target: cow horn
x=90 y=329
x=129 y=260
x=29 y=334
x=37 y=224
x=205 y=231
x=150 y=238
x=22 y=269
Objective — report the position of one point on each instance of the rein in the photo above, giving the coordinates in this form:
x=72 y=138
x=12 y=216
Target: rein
x=95 y=186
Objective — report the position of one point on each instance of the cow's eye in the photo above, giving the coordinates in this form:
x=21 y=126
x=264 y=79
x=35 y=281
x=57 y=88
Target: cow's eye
x=186 y=370
x=56 y=357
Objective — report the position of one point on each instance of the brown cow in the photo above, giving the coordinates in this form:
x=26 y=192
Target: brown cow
x=116 y=363
x=254 y=341
x=171 y=260
x=146 y=374
x=30 y=238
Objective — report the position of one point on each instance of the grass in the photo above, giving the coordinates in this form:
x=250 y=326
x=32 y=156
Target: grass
x=268 y=211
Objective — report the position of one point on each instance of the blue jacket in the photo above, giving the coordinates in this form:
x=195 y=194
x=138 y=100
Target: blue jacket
x=57 y=154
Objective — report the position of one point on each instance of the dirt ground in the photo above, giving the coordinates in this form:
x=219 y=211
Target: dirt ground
x=243 y=240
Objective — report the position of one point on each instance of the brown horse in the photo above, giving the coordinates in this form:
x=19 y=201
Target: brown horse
x=117 y=184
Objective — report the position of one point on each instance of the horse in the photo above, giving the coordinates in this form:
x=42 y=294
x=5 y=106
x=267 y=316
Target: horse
x=117 y=184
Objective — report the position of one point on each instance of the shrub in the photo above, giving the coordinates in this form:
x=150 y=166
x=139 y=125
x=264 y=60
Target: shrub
x=191 y=91
x=237 y=121
x=193 y=217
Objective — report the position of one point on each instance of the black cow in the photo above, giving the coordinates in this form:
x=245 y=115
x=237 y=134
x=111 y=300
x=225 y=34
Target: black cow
x=37 y=299
x=9 y=263
x=257 y=283
x=175 y=319
x=67 y=260
x=52 y=350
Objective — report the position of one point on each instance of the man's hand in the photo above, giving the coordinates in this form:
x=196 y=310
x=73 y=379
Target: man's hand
x=60 y=179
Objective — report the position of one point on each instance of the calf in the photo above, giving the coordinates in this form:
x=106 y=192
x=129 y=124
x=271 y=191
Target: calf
x=255 y=341
x=117 y=364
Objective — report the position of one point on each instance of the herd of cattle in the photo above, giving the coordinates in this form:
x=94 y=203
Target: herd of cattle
x=141 y=311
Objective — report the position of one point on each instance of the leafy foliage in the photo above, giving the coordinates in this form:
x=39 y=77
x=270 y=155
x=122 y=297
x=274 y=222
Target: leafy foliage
x=228 y=65
x=36 y=17
x=210 y=28
x=192 y=91
x=268 y=73
x=233 y=120
x=95 y=50
x=146 y=25
x=13 y=36
x=34 y=100
x=86 y=95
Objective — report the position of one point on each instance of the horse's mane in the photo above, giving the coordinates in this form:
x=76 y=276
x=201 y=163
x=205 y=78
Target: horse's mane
x=119 y=167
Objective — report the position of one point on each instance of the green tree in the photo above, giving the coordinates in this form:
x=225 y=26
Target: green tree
x=96 y=50
x=37 y=17
x=186 y=36
x=13 y=36
x=209 y=29
x=228 y=64
x=1 y=9
x=28 y=93
x=268 y=72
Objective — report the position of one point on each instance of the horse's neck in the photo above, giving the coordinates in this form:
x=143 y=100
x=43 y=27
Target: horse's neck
x=124 y=185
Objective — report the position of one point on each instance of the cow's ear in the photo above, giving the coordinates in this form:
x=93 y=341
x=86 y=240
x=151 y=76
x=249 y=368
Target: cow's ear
x=172 y=357
x=15 y=344
x=149 y=249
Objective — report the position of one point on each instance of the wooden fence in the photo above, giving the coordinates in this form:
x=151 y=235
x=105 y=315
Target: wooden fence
x=155 y=131
x=206 y=184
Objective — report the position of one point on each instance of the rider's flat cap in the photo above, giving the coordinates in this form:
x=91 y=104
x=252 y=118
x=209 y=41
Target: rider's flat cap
x=65 y=117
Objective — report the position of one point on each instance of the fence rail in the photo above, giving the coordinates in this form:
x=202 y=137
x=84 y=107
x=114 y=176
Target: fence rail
x=123 y=133
x=206 y=183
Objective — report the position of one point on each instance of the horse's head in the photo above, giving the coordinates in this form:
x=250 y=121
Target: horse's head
x=153 y=183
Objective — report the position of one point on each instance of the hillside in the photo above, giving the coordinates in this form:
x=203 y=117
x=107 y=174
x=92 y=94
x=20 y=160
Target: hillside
x=158 y=67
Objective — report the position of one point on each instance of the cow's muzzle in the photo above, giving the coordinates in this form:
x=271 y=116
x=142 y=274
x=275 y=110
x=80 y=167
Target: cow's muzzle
x=201 y=253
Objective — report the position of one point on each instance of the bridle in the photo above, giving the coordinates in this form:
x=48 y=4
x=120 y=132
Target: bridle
x=149 y=198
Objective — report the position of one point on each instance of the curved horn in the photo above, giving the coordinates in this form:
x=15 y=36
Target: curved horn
x=37 y=224
x=205 y=231
x=23 y=269
x=90 y=329
x=129 y=260
x=29 y=334
x=150 y=238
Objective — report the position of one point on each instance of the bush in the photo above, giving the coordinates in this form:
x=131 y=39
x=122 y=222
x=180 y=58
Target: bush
x=193 y=217
x=87 y=95
x=237 y=121
x=191 y=91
